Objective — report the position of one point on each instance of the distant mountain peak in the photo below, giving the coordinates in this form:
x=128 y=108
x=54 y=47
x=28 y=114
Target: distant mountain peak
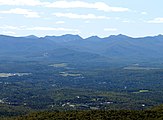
x=71 y=35
x=160 y=35
x=64 y=38
x=93 y=38
x=31 y=36
x=118 y=37
x=121 y=35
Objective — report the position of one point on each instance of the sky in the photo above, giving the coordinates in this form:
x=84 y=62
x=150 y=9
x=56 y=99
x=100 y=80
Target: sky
x=135 y=18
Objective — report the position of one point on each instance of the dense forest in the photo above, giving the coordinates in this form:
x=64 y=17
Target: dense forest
x=155 y=113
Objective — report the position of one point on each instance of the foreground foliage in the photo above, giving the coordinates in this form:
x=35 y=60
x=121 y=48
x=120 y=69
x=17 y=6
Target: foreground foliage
x=94 y=115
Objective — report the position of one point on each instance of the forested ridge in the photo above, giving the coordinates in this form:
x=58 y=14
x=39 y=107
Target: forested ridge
x=155 y=114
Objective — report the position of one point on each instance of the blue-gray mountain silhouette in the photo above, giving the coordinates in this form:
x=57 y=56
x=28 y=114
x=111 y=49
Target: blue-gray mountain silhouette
x=75 y=48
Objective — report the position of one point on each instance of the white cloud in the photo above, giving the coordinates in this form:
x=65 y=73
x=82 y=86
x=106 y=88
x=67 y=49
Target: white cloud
x=80 y=16
x=20 y=11
x=52 y=29
x=8 y=32
x=87 y=21
x=156 y=20
x=117 y=18
x=110 y=29
x=60 y=22
x=23 y=2
x=8 y=27
x=144 y=13
x=128 y=21
x=81 y=4
x=63 y=4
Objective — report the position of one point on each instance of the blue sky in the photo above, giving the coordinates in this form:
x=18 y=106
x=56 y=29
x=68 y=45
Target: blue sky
x=134 y=18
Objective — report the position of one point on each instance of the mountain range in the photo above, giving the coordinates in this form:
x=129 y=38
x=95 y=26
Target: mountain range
x=73 y=48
